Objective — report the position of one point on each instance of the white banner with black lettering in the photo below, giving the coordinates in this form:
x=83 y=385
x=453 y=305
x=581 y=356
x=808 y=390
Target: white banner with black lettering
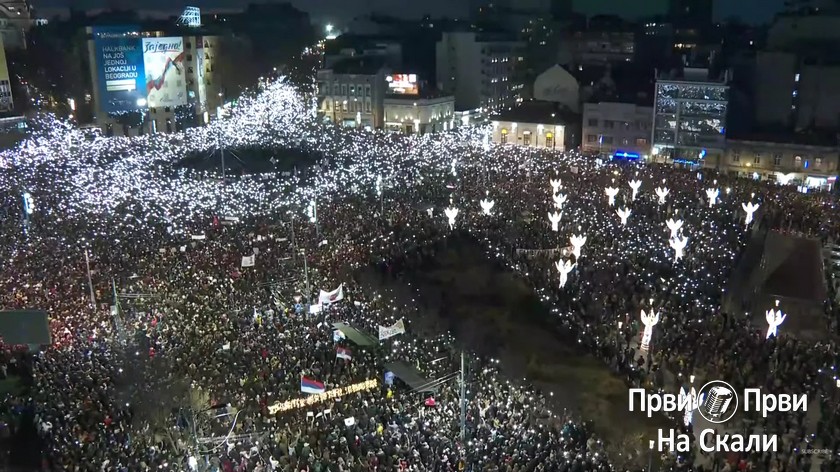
x=386 y=332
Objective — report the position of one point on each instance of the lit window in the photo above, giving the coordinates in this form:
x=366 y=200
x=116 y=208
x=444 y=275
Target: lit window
x=796 y=78
x=777 y=159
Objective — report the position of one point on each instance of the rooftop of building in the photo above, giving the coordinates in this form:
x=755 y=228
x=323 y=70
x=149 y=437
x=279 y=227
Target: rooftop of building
x=368 y=65
x=535 y=111
x=691 y=74
x=783 y=136
x=358 y=42
x=425 y=93
x=488 y=35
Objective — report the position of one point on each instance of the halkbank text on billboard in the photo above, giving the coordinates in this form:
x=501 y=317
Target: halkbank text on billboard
x=164 y=63
x=119 y=62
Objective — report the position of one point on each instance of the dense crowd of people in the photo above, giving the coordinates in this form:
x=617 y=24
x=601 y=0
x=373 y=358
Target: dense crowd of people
x=182 y=372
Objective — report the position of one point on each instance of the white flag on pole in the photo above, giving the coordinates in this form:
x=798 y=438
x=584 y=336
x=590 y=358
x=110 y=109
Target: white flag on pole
x=386 y=332
x=248 y=261
x=325 y=298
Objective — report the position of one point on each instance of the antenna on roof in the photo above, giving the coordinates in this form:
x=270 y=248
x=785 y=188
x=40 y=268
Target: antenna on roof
x=191 y=17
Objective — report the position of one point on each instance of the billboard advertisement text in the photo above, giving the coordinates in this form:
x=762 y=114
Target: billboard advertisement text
x=119 y=61
x=164 y=63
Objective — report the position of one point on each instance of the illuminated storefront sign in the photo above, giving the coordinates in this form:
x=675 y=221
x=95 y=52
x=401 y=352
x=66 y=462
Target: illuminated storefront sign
x=280 y=407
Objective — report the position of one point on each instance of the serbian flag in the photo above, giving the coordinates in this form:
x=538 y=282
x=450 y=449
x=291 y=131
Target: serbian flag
x=325 y=298
x=343 y=353
x=311 y=386
x=430 y=402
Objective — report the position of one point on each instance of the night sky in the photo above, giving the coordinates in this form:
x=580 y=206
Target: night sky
x=752 y=11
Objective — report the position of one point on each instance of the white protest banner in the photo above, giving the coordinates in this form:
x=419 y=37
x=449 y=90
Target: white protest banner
x=325 y=298
x=248 y=261
x=386 y=332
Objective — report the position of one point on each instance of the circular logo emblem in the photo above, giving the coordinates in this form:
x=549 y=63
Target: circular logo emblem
x=717 y=401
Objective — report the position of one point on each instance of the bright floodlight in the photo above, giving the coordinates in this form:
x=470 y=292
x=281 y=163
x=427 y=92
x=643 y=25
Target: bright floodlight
x=564 y=267
x=611 y=193
x=554 y=218
x=141 y=102
x=775 y=318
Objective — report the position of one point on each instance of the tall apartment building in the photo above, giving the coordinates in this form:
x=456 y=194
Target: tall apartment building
x=797 y=77
x=689 y=120
x=476 y=68
x=168 y=81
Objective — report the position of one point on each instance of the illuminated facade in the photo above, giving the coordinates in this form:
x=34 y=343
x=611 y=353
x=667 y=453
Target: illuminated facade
x=421 y=115
x=203 y=89
x=812 y=166
x=352 y=93
x=538 y=135
x=689 y=119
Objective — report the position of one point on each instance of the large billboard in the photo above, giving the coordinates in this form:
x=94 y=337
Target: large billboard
x=119 y=63
x=403 y=84
x=164 y=62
